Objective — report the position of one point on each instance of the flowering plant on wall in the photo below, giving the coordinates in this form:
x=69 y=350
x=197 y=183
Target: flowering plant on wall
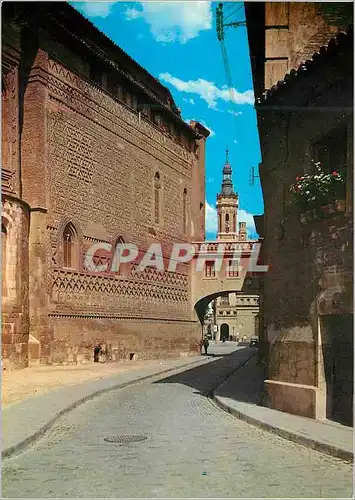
x=319 y=188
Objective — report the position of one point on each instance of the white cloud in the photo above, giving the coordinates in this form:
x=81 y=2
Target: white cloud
x=235 y=113
x=212 y=132
x=210 y=180
x=189 y=101
x=96 y=9
x=208 y=91
x=243 y=216
x=235 y=141
x=174 y=21
x=211 y=219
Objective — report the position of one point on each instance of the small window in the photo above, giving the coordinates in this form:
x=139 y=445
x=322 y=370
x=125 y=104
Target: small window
x=210 y=269
x=225 y=300
x=227 y=223
x=233 y=270
x=157 y=187
x=96 y=72
x=69 y=247
x=184 y=211
x=4 y=245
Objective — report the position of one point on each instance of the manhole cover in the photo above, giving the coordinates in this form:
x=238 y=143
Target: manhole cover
x=125 y=439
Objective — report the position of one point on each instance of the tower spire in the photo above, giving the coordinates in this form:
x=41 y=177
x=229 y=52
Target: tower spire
x=227 y=205
x=227 y=184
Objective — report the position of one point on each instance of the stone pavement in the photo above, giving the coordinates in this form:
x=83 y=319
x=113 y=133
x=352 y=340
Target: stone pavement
x=26 y=420
x=241 y=395
x=190 y=448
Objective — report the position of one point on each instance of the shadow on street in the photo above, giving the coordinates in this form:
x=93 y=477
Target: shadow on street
x=206 y=378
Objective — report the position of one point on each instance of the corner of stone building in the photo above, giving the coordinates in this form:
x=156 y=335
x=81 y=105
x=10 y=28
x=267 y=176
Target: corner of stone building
x=291 y=384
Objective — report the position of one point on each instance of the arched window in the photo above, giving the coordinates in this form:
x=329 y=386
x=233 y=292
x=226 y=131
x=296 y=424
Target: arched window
x=3 y=258
x=227 y=223
x=234 y=224
x=70 y=257
x=220 y=224
x=157 y=187
x=4 y=124
x=184 y=211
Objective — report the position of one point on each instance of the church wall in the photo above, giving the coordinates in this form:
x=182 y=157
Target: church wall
x=88 y=163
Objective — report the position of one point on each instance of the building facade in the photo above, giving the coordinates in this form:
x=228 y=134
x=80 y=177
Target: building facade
x=237 y=317
x=94 y=152
x=236 y=314
x=302 y=64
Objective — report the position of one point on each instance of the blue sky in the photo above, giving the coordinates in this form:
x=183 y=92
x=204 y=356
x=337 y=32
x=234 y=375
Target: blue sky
x=177 y=43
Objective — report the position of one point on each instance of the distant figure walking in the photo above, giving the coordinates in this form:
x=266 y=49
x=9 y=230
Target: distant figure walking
x=205 y=344
x=244 y=339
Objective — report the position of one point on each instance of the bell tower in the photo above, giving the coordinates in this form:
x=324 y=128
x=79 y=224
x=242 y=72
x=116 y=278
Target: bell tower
x=227 y=206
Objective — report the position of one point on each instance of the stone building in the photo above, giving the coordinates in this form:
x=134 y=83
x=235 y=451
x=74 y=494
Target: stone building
x=237 y=317
x=94 y=152
x=236 y=314
x=302 y=65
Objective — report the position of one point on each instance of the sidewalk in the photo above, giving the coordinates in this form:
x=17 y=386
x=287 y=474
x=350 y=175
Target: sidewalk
x=18 y=385
x=26 y=420
x=240 y=395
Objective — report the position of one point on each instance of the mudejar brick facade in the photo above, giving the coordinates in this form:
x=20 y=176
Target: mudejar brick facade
x=96 y=152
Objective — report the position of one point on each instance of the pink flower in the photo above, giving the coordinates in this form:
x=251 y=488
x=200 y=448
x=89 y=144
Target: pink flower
x=334 y=172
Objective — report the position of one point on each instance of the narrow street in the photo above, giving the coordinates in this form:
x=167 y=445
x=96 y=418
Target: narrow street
x=192 y=448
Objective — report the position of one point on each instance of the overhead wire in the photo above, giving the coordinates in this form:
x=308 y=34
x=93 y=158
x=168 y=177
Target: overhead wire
x=232 y=13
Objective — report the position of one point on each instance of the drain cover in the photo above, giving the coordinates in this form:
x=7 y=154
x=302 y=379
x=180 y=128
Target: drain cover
x=125 y=439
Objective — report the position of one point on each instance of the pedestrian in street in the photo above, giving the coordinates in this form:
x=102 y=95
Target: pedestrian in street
x=206 y=344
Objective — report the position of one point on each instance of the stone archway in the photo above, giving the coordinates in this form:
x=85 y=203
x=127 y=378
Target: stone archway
x=224 y=331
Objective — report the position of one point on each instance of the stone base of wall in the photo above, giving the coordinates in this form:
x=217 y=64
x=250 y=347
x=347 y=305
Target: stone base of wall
x=74 y=339
x=292 y=398
x=14 y=355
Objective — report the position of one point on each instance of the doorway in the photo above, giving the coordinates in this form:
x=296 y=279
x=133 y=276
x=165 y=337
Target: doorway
x=338 y=345
x=224 y=331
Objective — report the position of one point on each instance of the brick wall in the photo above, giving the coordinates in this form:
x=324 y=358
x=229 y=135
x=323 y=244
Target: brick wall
x=310 y=271
x=89 y=159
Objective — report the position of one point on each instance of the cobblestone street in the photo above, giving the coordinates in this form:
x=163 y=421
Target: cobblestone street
x=193 y=449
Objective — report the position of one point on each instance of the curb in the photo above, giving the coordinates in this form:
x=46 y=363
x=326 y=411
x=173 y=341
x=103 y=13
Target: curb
x=20 y=447
x=210 y=394
x=327 y=449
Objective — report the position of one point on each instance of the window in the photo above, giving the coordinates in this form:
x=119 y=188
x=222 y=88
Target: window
x=157 y=187
x=210 y=270
x=331 y=150
x=233 y=270
x=227 y=223
x=128 y=99
x=3 y=258
x=69 y=247
x=96 y=72
x=184 y=211
x=5 y=124
x=157 y=119
x=134 y=102
x=225 y=300
x=112 y=86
